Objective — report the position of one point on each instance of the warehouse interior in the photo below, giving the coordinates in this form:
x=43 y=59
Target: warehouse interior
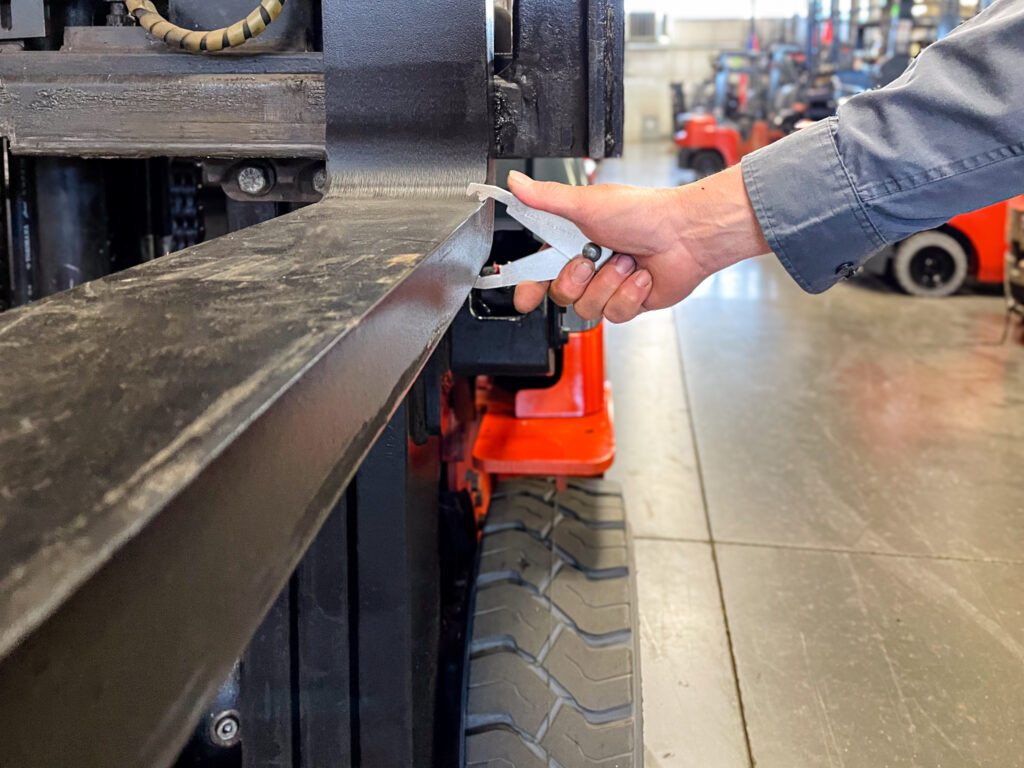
x=288 y=479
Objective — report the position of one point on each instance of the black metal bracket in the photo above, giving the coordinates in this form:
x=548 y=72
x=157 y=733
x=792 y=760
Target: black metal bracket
x=551 y=101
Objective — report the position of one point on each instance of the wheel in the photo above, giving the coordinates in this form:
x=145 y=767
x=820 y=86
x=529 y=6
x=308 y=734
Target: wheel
x=553 y=674
x=707 y=162
x=930 y=263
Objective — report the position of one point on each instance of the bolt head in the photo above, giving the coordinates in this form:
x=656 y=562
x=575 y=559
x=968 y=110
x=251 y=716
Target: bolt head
x=253 y=180
x=226 y=729
x=320 y=181
x=592 y=251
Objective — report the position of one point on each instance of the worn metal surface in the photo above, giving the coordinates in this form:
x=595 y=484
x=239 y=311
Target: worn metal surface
x=162 y=104
x=432 y=144
x=560 y=97
x=172 y=437
x=552 y=102
x=191 y=421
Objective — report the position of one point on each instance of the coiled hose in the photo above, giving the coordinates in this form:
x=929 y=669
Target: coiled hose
x=199 y=40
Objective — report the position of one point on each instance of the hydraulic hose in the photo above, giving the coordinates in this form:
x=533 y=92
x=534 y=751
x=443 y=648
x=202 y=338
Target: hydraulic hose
x=198 y=40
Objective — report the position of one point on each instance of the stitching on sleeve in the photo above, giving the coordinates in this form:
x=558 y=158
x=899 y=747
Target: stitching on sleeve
x=859 y=211
x=879 y=190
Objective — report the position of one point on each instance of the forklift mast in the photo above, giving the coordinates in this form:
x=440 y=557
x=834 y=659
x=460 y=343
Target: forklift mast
x=241 y=479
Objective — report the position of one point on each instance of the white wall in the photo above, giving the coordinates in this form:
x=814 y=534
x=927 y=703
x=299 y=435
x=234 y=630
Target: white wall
x=651 y=68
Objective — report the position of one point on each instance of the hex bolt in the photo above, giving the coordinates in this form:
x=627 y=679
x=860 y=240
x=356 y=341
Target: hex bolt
x=592 y=251
x=253 y=180
x=320 y=181
x=226 y=729
x=117 y=14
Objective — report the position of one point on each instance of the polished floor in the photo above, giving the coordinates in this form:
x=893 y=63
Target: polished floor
x=827 y=498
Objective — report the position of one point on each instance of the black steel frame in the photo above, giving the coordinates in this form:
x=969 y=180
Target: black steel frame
x=172 y=438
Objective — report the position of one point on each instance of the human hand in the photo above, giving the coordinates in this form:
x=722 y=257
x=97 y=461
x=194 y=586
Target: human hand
x=667 y=241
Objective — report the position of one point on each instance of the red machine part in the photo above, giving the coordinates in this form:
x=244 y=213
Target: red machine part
x=460 y=422
x=563 y=430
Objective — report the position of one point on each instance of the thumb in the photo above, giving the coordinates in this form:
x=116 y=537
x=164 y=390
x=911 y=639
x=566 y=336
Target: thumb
x=560 y=199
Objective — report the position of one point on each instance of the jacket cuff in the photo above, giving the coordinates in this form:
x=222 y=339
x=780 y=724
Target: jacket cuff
x=808 y=208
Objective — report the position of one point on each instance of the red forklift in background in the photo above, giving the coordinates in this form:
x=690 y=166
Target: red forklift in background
x=938 y=262
x=737 y=123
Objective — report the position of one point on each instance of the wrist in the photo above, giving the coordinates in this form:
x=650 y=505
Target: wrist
x=715 y=221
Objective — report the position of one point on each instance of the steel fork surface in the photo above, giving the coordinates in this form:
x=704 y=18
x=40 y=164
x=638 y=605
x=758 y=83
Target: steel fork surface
x=172 y=437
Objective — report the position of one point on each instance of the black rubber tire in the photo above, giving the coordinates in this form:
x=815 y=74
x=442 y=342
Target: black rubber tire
x=554 y=675
x=683 y=158
x=707 y=162
x=943 y=280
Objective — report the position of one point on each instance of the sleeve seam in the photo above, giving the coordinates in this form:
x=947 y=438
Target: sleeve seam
x=861 y=213
x=880 y=190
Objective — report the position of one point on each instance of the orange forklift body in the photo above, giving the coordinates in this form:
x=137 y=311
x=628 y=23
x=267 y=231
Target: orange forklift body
x=985 y=229
x=565 y=430
x=703 y=132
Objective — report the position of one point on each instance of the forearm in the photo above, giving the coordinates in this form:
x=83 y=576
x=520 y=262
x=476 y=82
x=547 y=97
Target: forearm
x=947 y=137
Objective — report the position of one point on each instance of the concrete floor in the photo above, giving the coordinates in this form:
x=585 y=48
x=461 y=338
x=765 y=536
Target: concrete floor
x=827 y=497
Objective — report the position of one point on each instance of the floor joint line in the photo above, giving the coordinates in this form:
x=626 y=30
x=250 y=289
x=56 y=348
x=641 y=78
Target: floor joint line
x=870 y=553
x=714 y=552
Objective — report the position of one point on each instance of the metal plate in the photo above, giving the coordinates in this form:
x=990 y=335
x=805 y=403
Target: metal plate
x=28 y=20
x=71 y=105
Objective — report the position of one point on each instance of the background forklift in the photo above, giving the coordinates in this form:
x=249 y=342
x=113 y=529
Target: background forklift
x=292 y=494
x=940 y=262
x=758 y=99
x=737 y=123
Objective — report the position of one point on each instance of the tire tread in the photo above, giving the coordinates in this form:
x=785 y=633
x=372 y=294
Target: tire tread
x=554 y=672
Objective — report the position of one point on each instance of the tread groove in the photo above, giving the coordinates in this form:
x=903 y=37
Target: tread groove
x=553 y=677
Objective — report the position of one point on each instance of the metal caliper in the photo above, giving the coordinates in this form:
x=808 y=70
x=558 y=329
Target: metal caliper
x=565 y=239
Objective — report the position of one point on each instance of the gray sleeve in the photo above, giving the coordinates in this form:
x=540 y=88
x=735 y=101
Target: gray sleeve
x=947 y=137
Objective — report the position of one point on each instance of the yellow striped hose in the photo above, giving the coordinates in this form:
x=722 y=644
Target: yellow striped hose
x=199 y=40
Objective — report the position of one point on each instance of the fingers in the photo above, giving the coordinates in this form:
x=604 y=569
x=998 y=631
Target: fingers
x=628 y=300
x=618 y=291
x=561 y=199
x=591 y=304
x=529 y=296
x=572 y=282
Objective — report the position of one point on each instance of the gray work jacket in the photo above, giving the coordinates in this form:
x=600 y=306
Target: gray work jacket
x=947 y=137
